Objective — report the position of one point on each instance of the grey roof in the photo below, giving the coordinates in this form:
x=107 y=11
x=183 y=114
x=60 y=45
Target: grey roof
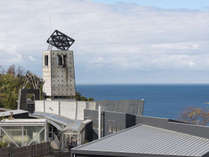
x=147 y=140
x=15 y=112
x=68 y=124
x=23 y=122
x=183 y=127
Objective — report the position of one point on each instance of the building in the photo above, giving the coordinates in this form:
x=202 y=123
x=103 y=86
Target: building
x=110 y=122
x=14 y=114
x=23 y=132
x=65 y=132
x=150 y=137
x=75 y=109
x=58 y=74
x=70 y=121
x=58 y=67
x=68 y=108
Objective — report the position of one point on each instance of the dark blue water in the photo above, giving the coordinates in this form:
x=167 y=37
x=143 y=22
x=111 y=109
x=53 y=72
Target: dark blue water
x=160 y=100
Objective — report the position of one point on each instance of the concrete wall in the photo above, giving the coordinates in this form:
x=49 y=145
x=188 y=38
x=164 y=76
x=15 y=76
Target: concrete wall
x=75 y=109
x=111 y=122
x=47 y=73
x=67 y=108
x=52 y=107
x=135 y=107
x=39 y=106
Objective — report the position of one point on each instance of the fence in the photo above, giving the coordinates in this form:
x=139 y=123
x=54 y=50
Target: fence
x=60 y=154
x=38 y=150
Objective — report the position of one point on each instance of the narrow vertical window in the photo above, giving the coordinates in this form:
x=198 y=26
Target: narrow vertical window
x=46 y=60
x=59 y=60
x=64 y=60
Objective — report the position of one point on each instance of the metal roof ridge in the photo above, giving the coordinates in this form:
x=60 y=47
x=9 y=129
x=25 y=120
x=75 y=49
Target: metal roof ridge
x=176 y=132
x=153 y=117
x=188 y=124
x=120 y=100
x=125 y=154
x=60 y=116
x=113 y=134
x=135 y=126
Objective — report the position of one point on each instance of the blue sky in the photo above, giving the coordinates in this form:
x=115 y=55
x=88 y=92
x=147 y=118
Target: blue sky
x=164 y=4
x=116 y=42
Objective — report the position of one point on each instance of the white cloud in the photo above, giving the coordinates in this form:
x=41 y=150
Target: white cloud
x=177 y=46
x=119 y=37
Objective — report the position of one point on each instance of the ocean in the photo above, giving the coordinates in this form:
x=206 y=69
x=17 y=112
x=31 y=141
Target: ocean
x=167 y=101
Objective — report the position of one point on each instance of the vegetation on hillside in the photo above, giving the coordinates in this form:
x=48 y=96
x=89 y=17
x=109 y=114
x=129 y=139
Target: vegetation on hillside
x=196 y=116
x=3 y=144
x=11 y=80
x=79 y=97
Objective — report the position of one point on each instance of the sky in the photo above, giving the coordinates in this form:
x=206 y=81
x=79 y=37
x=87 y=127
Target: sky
x=116 y=41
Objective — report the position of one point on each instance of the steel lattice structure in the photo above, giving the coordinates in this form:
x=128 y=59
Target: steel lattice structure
x=60 y=40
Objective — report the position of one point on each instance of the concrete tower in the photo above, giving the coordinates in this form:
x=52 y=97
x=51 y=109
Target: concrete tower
x=58 y=67
x=58 y=73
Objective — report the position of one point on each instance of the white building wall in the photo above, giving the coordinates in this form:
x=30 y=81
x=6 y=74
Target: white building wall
x=52 y=106
x=47 y=73
x=91 y=105
x=70 y=109
x=81 y=105
x=39 y=106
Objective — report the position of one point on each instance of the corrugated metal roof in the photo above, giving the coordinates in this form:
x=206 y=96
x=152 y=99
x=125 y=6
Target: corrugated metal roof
x=23 y=122
x=74 y=125
x=145 y=139
x=15 y=112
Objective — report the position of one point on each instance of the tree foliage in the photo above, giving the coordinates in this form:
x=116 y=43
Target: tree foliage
x=79 y=97
x=12 y=79
x=196 y=116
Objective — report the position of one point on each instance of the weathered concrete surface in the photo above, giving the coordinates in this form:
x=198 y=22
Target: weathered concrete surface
x=58 y=75
x=68 y=108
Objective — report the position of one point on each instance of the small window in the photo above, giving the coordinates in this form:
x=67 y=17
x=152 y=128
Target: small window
x=46 y=60
x=59 y=60
x=64 y=60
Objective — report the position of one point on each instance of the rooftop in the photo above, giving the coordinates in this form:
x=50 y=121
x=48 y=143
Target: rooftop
x=143 y=139
x=14 y=112
x=22 y=122
x=63 y=123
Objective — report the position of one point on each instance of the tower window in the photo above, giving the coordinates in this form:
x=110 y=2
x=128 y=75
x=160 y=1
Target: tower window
x=59 y=60
x=64 y=60
x=46 y=60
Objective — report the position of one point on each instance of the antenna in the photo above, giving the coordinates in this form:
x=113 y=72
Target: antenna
x=60 y=40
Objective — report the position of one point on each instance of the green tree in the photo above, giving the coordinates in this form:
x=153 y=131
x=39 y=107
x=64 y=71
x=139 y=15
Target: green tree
x=13 y=79
x=79 y=97
x=196 y=116
x=10 y=83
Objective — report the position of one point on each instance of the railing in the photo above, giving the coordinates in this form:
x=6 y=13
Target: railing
x=38 y=150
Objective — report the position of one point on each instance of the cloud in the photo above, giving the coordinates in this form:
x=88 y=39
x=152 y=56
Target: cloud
x=177 y=46
x=110 y=38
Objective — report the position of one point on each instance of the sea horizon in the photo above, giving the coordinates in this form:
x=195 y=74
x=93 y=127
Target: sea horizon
x=141 y=84
x=161 y=100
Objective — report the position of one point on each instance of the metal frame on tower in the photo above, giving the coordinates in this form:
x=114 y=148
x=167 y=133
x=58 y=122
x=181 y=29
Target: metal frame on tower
x=60 y=40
